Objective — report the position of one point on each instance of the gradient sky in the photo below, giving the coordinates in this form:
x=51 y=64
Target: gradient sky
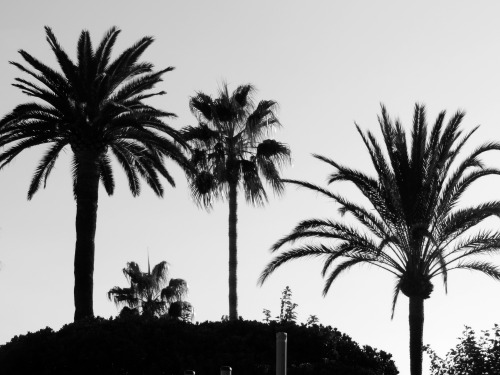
x=328 y=64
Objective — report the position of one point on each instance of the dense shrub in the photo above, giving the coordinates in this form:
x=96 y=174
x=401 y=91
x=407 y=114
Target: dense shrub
x=474 y=355
x=159 y=346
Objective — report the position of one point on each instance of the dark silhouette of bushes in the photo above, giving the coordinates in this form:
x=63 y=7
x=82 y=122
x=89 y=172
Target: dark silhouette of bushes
x=137 y=346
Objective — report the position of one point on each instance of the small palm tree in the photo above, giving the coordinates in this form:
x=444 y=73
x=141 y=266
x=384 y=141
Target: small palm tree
x=412 y=227
x=230 y=152
x=95 y=107
x=150 y=295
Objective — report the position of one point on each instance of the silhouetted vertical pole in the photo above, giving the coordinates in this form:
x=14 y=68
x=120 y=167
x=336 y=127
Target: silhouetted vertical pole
x=225 y=370
x=281 y=353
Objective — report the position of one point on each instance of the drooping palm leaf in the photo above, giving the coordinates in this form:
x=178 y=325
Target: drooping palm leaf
x=94 y=107
x=412 y=226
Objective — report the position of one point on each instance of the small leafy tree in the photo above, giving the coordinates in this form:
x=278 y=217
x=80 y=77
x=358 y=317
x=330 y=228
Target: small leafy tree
x=267 y=315
x=149 y=294
x=473 y=355
x=312 y=320
x=287 y=309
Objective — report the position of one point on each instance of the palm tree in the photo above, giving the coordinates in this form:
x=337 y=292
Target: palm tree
x=411 y=228
x=230 y=153
x=150 y=295
x=95 y=106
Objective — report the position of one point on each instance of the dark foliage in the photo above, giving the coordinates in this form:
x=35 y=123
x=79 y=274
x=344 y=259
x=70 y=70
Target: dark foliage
x=474 y=355
x=230 y=154
x=94 y=108
x=159 y=346
x=411 y=225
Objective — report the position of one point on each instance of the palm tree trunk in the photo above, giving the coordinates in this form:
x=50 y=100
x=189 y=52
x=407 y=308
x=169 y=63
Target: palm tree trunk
x=86 y=192
x=416 y=320
x=233 y=262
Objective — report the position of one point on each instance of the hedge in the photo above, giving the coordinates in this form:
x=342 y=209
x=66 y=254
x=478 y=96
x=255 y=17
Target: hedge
x=137 y=346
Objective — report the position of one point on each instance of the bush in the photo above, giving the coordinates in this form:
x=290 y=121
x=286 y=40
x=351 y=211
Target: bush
x=137 y=346
x=473 y=355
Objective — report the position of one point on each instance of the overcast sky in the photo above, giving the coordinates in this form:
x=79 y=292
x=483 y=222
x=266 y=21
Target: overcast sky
x=327 y=64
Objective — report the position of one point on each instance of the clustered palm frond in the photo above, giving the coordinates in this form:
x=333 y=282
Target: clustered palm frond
x=228 y=145
x=150 y=295
x=412 y=227
x=96 y=106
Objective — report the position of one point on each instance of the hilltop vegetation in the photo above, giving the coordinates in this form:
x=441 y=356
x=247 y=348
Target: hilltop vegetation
x=152 y=346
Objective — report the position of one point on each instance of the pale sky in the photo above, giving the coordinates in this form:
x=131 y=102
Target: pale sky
x=327 y=64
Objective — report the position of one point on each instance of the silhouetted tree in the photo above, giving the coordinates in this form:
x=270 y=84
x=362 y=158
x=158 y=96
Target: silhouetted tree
x=150 y=295
x=95 y=106
x=472 y=355
x=312 y=320
x=267 y=315
x=412 y=227
x=287 y=307
x=230 y=153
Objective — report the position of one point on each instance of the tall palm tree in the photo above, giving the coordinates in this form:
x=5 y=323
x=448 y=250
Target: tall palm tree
x=230 y=151
x=95 y=106
x=412 y=227
x=150 y=295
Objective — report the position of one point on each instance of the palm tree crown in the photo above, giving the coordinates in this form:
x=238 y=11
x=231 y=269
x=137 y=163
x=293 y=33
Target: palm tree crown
x=96 y=107
x=229 y=145
x=149 y=293
x=412 y=227
x=230 y=151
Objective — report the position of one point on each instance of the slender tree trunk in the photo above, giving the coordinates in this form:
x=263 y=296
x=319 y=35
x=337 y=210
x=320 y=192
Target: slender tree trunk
x=86 y=191
x=233 y=262
x=416 y=320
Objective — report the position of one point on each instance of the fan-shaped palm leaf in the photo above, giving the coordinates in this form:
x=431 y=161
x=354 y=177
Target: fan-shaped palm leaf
x=148 y=292
x=231 y=153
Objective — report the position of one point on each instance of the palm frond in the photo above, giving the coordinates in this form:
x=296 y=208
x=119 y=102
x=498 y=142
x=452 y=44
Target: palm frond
x=273 y=151
x=95 y=103
x=397 y=290
x=411 y=228
x=122 y=151
x=134 y=87
x=202 y=106
x=306 y=251
x=313 y=187
x=202 y=134
x=106 y=174
x=45 y=167
x=7 y=155
x=68 y=67
x=175 y=291
x=262 y=119
x=341 y=250
x=481 y=266
x=340 y=269
x=252 y=184
x=160 y=272
x=459 y=221
x=225 y=150
x=103 y=51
